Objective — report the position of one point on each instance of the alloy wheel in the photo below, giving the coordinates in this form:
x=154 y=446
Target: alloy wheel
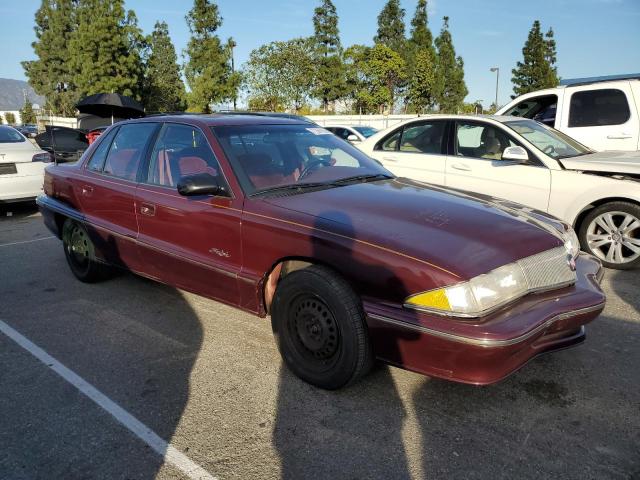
x=615 y=237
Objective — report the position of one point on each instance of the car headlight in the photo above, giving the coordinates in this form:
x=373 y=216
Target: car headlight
x=571 y=242
x=487 y=292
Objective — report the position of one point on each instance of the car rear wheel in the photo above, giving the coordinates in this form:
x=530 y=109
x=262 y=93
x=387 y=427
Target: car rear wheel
x=80 y=253
x=611 y=232
x=320 y=328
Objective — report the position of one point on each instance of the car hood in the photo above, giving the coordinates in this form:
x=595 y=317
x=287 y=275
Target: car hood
x=463 y=234
x=613 y=162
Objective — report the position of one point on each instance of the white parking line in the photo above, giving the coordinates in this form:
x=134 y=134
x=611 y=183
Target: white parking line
x=27 y=241
x=170 y=454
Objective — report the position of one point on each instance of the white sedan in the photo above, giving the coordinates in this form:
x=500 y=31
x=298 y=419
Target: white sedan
x=352 y=133
x=529 y=163
x=21 y=166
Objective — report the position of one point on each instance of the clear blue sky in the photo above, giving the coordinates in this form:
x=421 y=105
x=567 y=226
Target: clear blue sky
x=594 y=37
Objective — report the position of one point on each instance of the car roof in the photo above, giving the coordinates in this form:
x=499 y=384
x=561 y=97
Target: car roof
x=453 y=116
x=221 y=119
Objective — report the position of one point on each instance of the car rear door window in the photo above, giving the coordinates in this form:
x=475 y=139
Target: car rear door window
x=180 y=150
x=423 y=138
x=598 y=107
x=127 y=150
x=100 y=153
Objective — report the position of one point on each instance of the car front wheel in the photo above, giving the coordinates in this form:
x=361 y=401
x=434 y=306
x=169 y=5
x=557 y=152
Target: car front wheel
x=611 y=232
x=320 y=328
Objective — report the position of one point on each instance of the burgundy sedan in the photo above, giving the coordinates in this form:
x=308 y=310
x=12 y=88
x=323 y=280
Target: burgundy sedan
x=279 y=217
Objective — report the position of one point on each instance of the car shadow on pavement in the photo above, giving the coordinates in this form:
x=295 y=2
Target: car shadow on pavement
x=626 y=284
x=12 y=211
x=133 y=339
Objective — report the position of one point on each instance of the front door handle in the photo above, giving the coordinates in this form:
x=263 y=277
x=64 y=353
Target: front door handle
x=86 y=190
x=620 y=136
x=461 y=166
x=147 y=209
x=389 y=159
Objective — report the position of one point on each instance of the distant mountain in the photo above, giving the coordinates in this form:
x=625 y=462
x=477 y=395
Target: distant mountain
x=12 y=96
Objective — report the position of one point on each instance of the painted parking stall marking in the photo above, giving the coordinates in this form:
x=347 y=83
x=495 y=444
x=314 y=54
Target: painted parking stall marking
x=170 y=454
x=27 y=241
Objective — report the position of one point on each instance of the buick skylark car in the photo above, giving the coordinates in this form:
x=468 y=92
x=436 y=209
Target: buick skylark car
x=278 y=217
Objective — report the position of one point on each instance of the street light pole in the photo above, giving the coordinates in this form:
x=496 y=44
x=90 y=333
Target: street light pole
x=497 y=70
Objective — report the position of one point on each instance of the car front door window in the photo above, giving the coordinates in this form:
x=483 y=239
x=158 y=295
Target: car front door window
x=475 y=140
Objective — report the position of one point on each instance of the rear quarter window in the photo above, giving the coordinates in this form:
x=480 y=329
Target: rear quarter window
x=596 y=108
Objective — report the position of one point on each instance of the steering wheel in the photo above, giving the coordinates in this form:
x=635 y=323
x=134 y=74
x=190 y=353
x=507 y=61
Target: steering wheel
x=548 y=149
x=313 y=165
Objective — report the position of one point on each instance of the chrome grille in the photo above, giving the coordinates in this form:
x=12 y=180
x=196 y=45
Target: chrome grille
x=548 y=269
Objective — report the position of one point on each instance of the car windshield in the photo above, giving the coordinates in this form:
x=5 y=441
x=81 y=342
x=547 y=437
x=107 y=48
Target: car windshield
x=548 y=140
x=10 y=135
x=366 y=131
x=274 y=157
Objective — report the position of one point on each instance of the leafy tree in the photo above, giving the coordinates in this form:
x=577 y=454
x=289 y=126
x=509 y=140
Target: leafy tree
x=281 y=73
x=163 y=87
x=27 y=115
x=377 y=72
x=421 y=61
x=55 y=24
x=450 y=85
x=330 y=75
x=208 y=69
x=354 y=59
x=391 y=27
x=537 y=70
x=106 y=49
x=10 y=118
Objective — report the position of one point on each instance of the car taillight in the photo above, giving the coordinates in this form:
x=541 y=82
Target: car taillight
x=42 y=157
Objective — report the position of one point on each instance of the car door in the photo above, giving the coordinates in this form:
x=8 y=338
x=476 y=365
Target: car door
x=190 y=242
x=476 y=165
x=107 y=191
x=415 y=150
x=602 y=117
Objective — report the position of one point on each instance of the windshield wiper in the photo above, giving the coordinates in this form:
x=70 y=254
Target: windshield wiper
x=293 y=186
x=361 y=178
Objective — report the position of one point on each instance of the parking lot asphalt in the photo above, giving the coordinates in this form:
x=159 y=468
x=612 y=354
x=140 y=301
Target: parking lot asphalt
x=208 y=380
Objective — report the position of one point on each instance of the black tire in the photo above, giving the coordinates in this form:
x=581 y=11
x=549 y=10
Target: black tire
x=80 y=253
x=619 y=210
x=320 y=328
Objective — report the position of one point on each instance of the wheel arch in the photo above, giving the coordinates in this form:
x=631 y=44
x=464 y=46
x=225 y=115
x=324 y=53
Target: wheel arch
x=577 y=223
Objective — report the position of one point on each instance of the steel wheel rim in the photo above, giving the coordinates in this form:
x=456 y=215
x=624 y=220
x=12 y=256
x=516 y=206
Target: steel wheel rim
x=615 y=237
x=78 y=246
x=314 y=330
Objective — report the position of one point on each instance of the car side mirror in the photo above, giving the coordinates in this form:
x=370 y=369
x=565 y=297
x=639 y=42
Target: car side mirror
x=200 y=184
x=516 y=154
x=353 y=138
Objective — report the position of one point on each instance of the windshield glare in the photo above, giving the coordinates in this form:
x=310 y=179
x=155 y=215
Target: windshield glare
x=269 y=156
x=548 y=140
x=366 y=131
x=10 y=135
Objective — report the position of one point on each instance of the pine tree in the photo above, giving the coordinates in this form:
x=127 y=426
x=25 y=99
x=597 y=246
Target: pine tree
x=421 y=61
x=208 y=69
x=55 y=24
x=330 y=76
x=537 y=70
x=450 y=86
x=391 y=27
x=163 y=88
x=106 y=50
x=27 y=115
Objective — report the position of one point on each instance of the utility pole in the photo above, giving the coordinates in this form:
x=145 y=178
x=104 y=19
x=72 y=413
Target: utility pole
x=497 y=70
x=231 y=44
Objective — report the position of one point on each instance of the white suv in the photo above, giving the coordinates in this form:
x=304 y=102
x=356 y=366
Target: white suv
x=602 y=114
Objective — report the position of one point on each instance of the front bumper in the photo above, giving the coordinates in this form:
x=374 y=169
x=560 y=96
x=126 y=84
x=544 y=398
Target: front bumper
x=486 y=350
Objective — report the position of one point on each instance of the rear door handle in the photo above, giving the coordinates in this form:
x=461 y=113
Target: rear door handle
x=620 y=136
x=86 y=190
x=147 y=209
x=461 y=166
